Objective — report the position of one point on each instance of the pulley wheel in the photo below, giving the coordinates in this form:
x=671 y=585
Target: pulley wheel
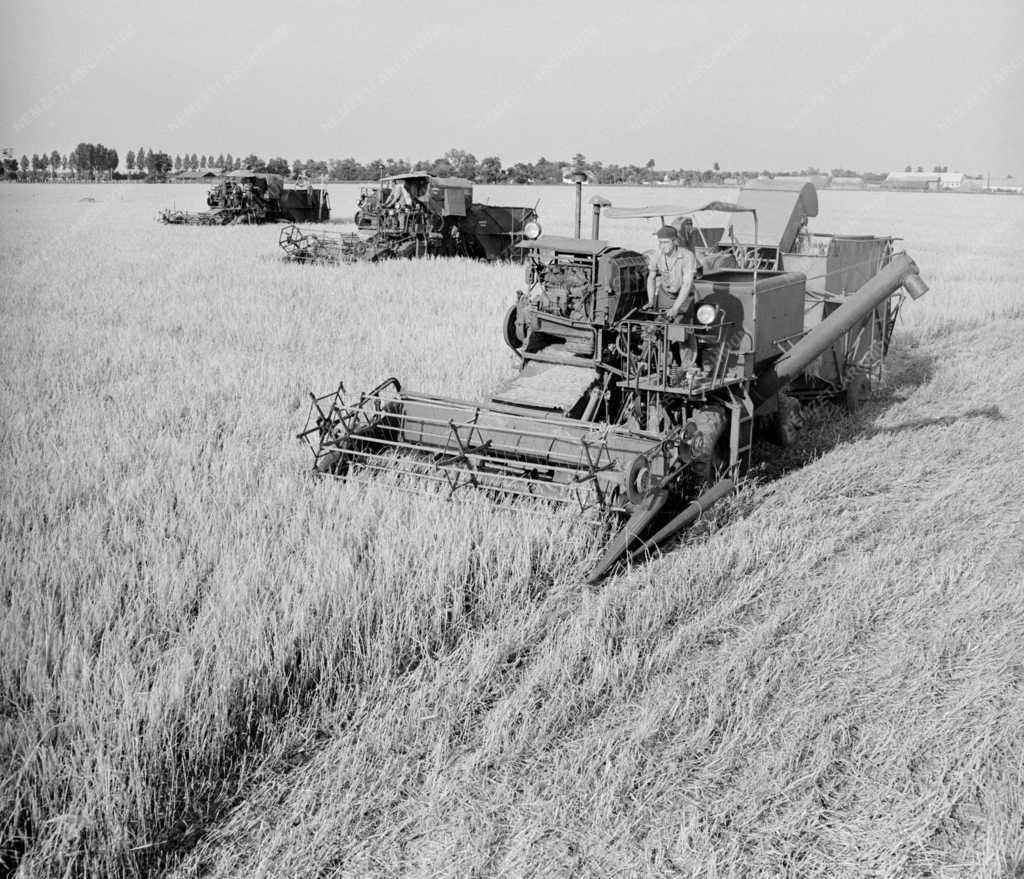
x=638 y=480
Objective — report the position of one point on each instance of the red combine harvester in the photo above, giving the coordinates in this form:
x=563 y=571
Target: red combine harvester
x=616 y=410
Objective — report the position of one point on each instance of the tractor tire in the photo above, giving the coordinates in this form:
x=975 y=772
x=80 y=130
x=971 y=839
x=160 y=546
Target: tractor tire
x=787 y=422
x=510 y=329
x=333 y=463
x=407 y=250
x=856 y=393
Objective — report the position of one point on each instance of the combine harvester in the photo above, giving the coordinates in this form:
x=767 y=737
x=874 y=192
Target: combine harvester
x=615 y=410
x=416 y=215
x=245 y=197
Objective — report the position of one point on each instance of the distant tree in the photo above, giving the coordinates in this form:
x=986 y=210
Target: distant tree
x=520 y=172
x=579 y=162
x=442 y=168
x=129 y=162
x=202 y=161
x=229 y=162
x=84 y=156
x=318 y=169
x=220 y=161
x=345 y=169
x=395 y=166
x=489 y=170
x=64 y=163
x=238 y=164
x=193 y=162
x=920 y=169
x=462 y=164
x=547 y=172
x=158 y=164
x=253 y=162
x=278 y=165
x=177 y=162
x=716 y=167
x=54 y=163
x=908 y=169
x=147 y=164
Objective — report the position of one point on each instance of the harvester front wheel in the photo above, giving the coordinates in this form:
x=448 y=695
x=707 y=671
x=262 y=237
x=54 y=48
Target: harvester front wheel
x=857 y=393
x=510 y=329
x=787 y=422
x=333 y=462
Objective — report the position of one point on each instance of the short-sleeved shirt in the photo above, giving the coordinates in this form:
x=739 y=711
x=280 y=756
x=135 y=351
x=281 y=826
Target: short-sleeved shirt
x=671 y=269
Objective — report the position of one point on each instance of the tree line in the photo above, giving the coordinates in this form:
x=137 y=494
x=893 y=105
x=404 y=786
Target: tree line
x=96 y=162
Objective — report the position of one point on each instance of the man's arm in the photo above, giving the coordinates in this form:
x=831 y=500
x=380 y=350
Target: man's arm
x=685 y=289
x=652 y=283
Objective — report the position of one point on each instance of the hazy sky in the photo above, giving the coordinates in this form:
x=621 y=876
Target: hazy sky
x=872 y=85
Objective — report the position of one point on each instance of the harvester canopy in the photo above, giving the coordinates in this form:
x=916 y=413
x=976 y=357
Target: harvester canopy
x=783 y=208
x=443 y=196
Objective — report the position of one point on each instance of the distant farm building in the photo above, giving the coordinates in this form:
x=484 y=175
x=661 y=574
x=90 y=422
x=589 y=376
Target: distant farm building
x=200 y=174
x=1008 y=185
x=925 y=180
x=919 y=180
x=819 y=180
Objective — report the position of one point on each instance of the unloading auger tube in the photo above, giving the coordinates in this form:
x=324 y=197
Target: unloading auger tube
x=518 y=449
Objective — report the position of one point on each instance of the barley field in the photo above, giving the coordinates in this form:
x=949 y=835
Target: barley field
x=212 y=664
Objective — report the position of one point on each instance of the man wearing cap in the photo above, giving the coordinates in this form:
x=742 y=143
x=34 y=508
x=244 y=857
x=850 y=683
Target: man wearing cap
x=670 y=280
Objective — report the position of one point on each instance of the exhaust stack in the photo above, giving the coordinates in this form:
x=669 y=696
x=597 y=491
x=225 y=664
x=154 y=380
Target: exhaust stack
x=598 y=204
x=578 y=178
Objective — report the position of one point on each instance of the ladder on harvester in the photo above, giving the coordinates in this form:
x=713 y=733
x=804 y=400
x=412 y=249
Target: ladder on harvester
x=741 y=432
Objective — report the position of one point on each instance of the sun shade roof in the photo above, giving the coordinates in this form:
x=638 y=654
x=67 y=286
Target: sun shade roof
x=434 y=181
x=566 y=244
x=672 y=210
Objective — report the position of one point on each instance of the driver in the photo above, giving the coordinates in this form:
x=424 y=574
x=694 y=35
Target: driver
x=670 y=279
x=398 y=197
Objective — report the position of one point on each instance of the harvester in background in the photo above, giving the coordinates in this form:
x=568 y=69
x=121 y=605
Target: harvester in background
x=614 y=410
x=415 y=215
x=247 y=197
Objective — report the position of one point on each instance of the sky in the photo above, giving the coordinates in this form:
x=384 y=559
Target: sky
x=872 y=85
